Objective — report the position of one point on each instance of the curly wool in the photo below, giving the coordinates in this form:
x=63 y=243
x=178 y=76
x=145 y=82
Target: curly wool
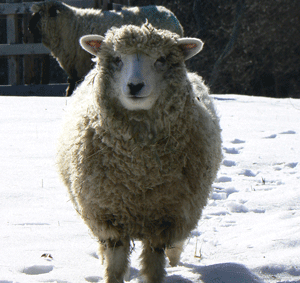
x=142 y=174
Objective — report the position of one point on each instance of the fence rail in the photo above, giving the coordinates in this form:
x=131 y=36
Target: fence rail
x=23 y=49
x=15 y=47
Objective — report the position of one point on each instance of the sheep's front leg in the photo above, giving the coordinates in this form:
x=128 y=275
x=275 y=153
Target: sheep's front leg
x=116 y=254
x=153 y=263
x=174 y=252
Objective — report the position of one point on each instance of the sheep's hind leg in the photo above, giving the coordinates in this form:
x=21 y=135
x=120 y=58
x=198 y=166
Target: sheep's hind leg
x=116 y=254
x=153 y=263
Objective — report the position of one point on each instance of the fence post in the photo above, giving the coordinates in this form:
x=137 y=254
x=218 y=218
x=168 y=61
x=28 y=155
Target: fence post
x=105 y=5
x=28 y=60
x=12 y=37
x=97 y=4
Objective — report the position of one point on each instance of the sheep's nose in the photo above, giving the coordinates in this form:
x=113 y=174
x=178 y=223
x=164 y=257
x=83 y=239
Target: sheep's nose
x=135 y=88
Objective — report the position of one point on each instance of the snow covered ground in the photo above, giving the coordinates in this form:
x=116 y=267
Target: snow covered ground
x=249 y=232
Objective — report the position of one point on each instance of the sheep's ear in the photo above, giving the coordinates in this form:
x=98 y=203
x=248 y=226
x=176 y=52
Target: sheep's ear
x=91 y=43
x=190 y=46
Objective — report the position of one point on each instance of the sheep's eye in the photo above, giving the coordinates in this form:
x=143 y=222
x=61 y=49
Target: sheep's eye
x=161 y=60
x=53 y=11
x=118 y=61
x=161 y=63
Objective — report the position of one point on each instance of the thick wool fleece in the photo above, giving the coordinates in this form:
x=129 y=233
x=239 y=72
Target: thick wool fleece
x=140 y=174
x=61 y=27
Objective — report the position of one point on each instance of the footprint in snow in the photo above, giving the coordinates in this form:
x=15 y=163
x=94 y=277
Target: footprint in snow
x=247 y=173
x=223 y=179
x=94 y=255
x=93 y=279
x=282 y=133
x=228 y=224
x=291 y=165
x=280 y=166
x=222 y=194
x=237 y=141
x=229 y=163
x=232 y=150
x=237 y=208
x=271 y=137
x=37 y=269
x=288 y=133
x=257 y=210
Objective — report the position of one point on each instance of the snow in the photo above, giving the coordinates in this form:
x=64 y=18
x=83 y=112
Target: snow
x=249 y=231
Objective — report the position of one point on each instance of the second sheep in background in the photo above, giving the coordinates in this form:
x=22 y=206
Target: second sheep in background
x=61 y=25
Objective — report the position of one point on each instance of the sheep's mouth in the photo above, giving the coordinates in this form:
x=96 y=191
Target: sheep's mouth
x=137 y=102
x=137 y=97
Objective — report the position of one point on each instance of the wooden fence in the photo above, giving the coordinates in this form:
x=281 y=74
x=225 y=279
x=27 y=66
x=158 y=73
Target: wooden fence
x=20 y=46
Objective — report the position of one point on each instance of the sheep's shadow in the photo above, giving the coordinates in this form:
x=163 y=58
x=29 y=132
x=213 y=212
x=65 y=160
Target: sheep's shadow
x=177 y=279
x=223 y=273
x=134 y=273
x=216 y=273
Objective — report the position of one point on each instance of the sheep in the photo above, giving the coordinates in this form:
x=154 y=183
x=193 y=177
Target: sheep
x=140 y=147
x=61 y=26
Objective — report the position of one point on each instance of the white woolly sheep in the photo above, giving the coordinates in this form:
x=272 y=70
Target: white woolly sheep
x=140 y=147
x=61 y=27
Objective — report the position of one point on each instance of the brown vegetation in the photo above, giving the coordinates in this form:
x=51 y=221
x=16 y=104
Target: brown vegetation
x=265 y=57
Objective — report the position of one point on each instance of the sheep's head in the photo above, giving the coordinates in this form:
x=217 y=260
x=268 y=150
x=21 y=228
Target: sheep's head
x=45 y=20
x=141 y=61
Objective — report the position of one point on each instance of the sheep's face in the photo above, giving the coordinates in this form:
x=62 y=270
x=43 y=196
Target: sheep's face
x=46 y=20
x=141 y=62
x=137 y=78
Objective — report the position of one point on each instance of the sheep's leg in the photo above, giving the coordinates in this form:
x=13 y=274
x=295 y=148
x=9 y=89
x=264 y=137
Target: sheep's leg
x=116 y=254
x=72 y=80
x=153 y=263
x=174 y=252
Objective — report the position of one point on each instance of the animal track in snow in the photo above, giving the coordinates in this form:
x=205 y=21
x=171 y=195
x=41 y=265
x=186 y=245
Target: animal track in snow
x=237 y=141
x=232 y=150
x=218 y=196
x=280 y=166
x=93 y=279
x=195 y=233
x=291 y=165
x=247 y=173
x=288 y=133
x=271 y=137
x=282 y=133
x=95 y=255
x=258 y=210
x=229 y=163
x=237 y=207
x=37 y=269
x=223 y=179
x=228 y=223
x=221 y=194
